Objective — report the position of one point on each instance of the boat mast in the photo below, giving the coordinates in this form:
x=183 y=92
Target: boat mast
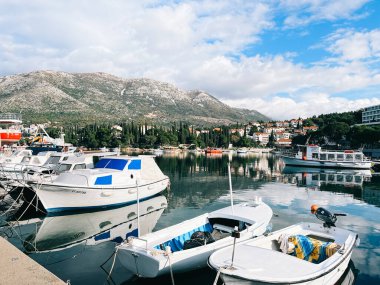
x=230 y=182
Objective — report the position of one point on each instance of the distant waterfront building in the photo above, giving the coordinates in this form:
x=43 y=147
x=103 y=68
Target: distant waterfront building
x=371 y=115
x=261 y=138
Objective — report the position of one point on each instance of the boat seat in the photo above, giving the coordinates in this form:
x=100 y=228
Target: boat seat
x=223 y=228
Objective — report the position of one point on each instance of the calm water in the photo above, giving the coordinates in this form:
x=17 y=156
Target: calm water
x=79 y=247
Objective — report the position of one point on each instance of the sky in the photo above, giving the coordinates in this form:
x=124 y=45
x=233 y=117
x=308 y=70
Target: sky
x=284 y=58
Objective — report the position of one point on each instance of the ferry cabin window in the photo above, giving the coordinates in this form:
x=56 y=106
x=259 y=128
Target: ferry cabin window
x=331 y=156
x=323 y=177
x=331 y=177
x=323 y=156
x=315 y=177
x=349 y=178
x=349 y=157
x=314 y=155
x=339 y=178
x=340 y=156
x=358 y=157
x=358 y=179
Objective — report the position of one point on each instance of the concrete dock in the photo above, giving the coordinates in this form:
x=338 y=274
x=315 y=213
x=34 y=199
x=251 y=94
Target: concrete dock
x=18 y=268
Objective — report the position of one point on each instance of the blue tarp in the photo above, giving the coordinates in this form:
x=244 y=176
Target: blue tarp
x=176 y=244
x=110 y=163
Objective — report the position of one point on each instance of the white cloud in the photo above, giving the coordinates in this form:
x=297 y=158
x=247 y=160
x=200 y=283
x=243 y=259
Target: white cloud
x=307 y=105
x=194 y=45
x=302 y=12
x=351 y=45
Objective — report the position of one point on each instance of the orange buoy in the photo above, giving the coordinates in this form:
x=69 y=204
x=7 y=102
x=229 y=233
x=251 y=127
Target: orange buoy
x=314 y=208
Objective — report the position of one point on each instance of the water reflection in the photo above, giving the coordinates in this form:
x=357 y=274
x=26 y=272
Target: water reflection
x=199 y=184
x=60 y=232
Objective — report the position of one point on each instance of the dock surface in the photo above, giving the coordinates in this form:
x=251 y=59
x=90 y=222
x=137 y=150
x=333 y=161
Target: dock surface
x=18 y=268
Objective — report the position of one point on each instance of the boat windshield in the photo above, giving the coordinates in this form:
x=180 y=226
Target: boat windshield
x=52 y=160
x=64 y=167
x=117 y=164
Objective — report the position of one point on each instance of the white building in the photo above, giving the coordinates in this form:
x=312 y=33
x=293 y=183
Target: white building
x=261 y=138
x=371 y=115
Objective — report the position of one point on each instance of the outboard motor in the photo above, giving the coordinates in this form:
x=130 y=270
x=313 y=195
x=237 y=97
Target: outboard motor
x=328 y=218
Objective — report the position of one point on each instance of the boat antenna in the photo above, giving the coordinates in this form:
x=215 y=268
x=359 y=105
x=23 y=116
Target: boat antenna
x=230 y=182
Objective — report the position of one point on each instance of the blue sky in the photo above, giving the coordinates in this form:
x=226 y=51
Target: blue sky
x=286 y=58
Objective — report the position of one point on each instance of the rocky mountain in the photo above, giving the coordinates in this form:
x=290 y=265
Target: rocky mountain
x=89 y=97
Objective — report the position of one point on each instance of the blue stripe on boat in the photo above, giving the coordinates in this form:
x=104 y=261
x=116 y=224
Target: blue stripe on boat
x=102 y=236
x=51 y=211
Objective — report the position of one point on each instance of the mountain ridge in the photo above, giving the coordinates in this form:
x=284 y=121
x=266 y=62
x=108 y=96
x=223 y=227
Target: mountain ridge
x=88 y=97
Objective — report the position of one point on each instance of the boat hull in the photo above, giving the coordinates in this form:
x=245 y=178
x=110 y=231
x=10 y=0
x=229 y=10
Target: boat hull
x=331 y=164
x=57 y=198
x=145 y=261
x=289 y=269
x=330 y=278
x=9 y=136
x=149 y=266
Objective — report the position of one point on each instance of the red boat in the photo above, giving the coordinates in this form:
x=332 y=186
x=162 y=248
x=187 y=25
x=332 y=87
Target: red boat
x=13 y=133
x=213 y=150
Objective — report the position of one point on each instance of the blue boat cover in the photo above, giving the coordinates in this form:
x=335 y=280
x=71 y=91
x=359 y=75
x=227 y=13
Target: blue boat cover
x=117 y=164
x=104 y=180
x=176 y=244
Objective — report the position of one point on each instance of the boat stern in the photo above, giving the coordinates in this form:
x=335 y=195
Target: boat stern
x=140 y=261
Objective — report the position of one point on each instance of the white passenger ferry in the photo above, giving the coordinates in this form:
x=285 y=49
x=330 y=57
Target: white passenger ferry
x=313 y=155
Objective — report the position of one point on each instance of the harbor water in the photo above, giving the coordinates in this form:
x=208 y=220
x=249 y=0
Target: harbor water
x=79 y=247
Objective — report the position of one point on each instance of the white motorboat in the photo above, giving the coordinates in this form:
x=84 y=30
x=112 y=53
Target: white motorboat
x=114 y=181
x=314 y=156
x=305 y=253
x=186 y=246
x=13 y=158
x=63 y=231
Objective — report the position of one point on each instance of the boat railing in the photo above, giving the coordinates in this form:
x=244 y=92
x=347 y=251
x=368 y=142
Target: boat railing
x=10 y=117
x=289 y=153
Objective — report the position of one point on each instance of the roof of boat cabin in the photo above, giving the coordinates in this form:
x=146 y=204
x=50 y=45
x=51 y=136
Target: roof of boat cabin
x=246 y=212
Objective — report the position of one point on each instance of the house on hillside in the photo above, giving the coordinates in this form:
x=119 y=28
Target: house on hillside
x=261 y=138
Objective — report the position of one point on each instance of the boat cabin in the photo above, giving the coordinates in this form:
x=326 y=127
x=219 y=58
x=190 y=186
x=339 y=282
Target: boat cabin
x=108 y=171
x=314 y=152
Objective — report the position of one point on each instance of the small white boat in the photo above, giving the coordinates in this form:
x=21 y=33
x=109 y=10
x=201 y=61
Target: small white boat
x=13 y=158
x=13 y=172
x=242 y=151
x=149 y=255
x=305 y=253
x=114 y=181
x=314 y=156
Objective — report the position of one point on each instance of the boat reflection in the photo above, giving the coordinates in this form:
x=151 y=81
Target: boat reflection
x=60 y=232
x=317 y=177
